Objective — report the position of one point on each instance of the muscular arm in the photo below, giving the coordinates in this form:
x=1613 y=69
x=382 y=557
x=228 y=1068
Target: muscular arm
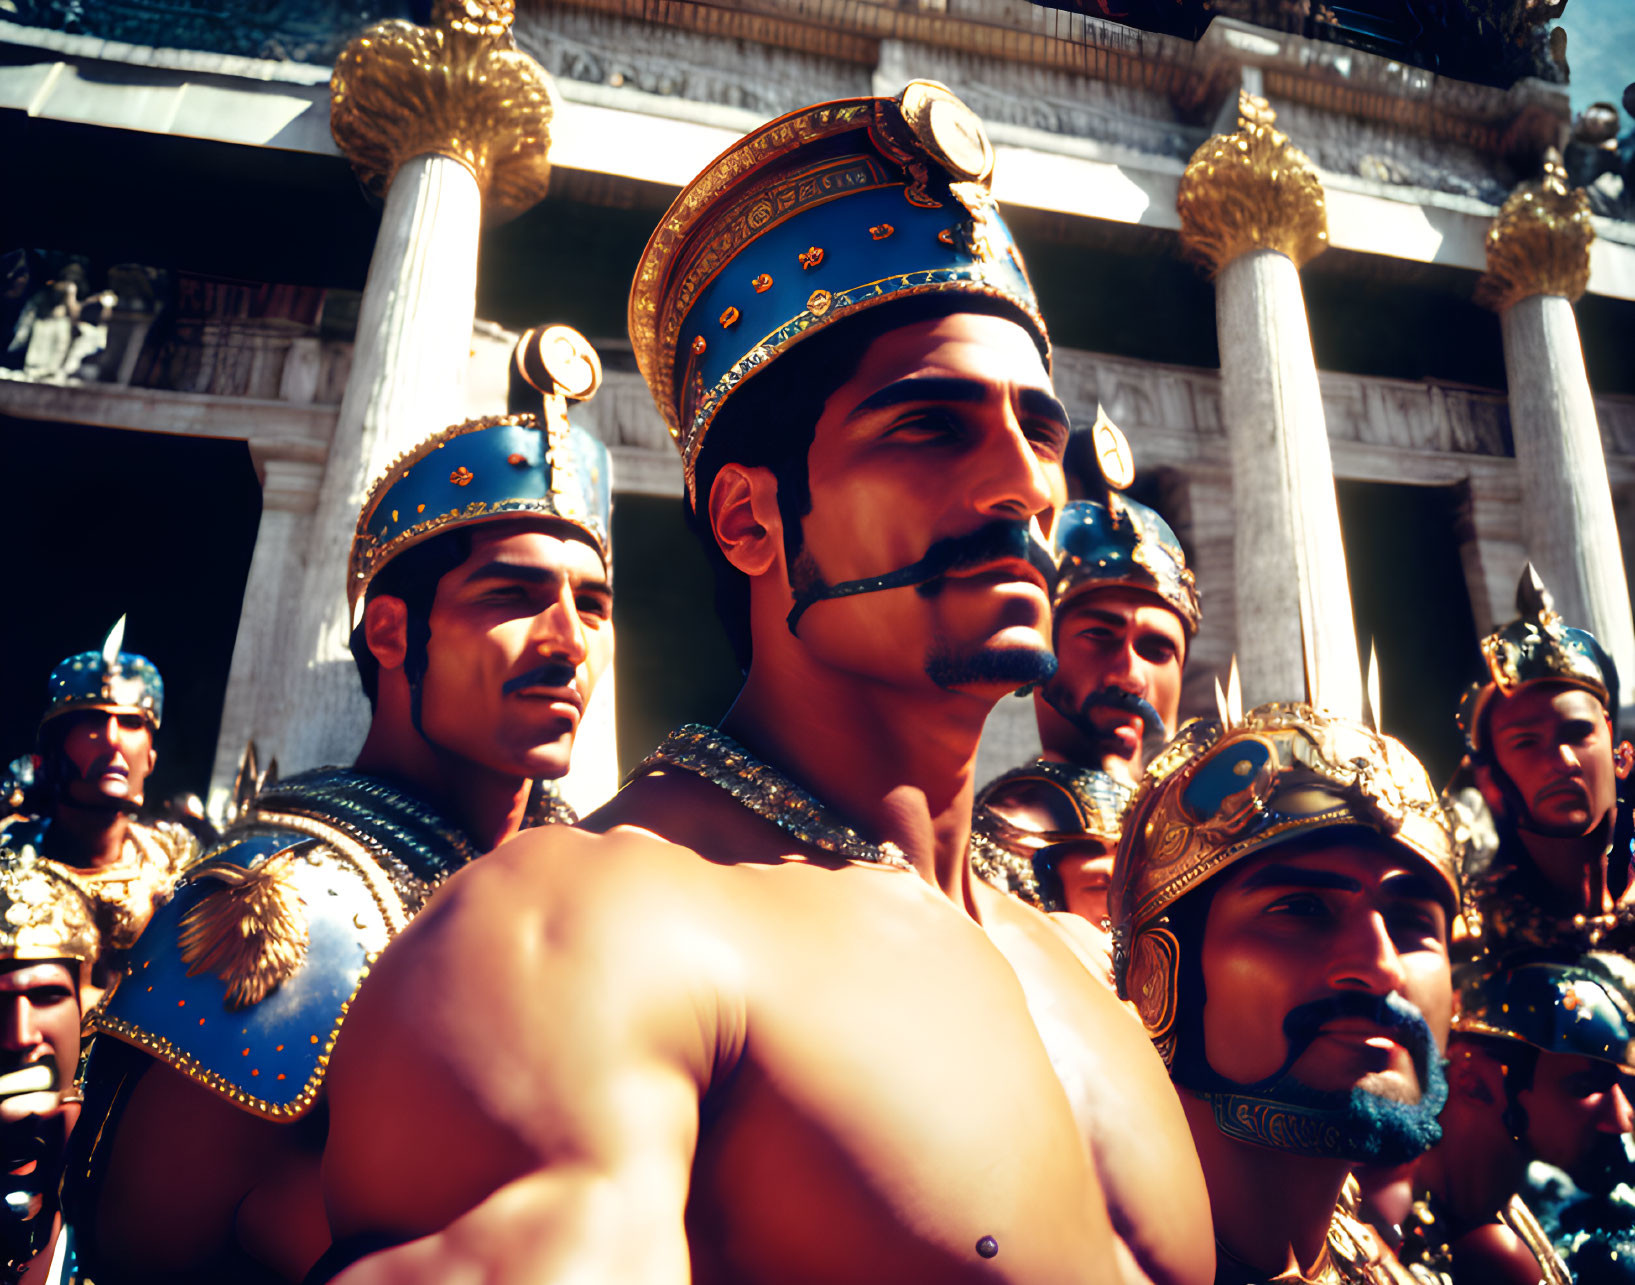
x=196 y=1188
x=515 y=1094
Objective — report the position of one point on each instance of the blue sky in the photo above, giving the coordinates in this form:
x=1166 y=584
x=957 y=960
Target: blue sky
x=1600 y=51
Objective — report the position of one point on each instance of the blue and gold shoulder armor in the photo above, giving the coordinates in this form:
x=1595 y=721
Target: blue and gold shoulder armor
x=241 y=982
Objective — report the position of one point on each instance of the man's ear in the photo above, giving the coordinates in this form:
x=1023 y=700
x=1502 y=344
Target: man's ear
x=386 y=630
x=744 y=516
x=1623 y=759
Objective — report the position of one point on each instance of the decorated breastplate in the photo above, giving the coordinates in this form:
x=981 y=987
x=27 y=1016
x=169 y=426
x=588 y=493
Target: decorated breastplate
x=126 y=893
x=242 y=980
x=1507 y=906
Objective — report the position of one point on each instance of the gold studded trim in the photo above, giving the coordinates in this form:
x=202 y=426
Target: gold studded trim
x=392 y=912
x=156 y=1046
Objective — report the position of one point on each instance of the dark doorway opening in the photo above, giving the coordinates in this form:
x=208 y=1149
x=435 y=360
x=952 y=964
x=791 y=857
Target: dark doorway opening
x=674 y=664
x=1409 y=596
x=99 y=523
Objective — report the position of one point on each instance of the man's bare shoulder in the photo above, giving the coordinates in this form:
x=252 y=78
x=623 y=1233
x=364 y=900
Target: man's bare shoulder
x=1492 y=1252
x=562 y=866
x=1118 y=1086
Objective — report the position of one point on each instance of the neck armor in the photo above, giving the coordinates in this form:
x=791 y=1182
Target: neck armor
x=1284 y=1114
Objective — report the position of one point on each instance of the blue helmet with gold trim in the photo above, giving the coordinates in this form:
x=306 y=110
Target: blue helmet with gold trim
x=1584 y=1007
x=111 y=680
x=823 y=213
x=1121 y=543
x=497 y=467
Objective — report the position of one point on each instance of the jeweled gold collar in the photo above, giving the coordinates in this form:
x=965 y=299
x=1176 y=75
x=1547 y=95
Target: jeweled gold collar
x=712 y=754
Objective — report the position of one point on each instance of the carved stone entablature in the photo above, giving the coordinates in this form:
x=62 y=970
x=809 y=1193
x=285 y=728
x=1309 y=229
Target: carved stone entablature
x=1141 y=397
x=1389 y=153
x=1056 y=102
x=1172 y=414
x=1616 y=416
x=1152 y=401
x=1415 y=417
x=604 y=49
x=623 y=414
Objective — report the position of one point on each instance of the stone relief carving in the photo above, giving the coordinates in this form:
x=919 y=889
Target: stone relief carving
x=583 y=45
x=1056 y=102
x=1390 y=154
x=1617 y=419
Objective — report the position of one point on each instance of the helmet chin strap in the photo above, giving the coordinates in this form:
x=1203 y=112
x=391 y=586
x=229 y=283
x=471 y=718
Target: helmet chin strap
x=998 y=540
x=1280 y=1112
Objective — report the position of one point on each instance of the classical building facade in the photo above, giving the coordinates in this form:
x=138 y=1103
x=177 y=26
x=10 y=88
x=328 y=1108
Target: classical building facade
x=1275 y=257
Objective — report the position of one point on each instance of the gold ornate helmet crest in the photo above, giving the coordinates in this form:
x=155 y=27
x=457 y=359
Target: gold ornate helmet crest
x=1220 y=792
x=44 y=913
x=1537 y=647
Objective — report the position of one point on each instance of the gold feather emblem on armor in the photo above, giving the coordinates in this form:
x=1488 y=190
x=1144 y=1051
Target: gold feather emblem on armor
x=251 y=932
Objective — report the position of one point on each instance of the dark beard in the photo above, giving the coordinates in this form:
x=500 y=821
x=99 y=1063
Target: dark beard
x=1102 y=741
x=1285 y=1114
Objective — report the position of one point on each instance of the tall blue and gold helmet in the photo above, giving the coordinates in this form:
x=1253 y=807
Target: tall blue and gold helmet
x=497 y=467
x=1116 y=542
x=817 y=216
x=1536 y=648
x=111 y=680
x=1584 y=1007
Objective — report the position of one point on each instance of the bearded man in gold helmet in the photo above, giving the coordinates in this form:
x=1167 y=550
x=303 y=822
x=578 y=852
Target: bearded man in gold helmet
x=1282 y=894
x=1124 y=611
x=762 y=1023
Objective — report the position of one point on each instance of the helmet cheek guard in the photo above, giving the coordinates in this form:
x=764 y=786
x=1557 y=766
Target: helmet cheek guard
x=1222 y=792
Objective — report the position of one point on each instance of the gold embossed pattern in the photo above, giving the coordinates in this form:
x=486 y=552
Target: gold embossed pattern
x=458 y=88
x=1540 y=241
x=1251 y=190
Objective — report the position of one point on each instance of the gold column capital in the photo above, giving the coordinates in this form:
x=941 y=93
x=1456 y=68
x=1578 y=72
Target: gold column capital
x=1539 y=242
x=1251 y=190
x=459 y=88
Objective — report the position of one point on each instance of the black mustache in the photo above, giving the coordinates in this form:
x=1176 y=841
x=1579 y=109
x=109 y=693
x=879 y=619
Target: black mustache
x=1126 y=702
x=1391 y=1012
x=551 y=674
x=997 y=540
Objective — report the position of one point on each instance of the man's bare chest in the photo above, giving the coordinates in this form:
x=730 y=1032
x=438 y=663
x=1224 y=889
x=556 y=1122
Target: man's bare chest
x=893 y=1115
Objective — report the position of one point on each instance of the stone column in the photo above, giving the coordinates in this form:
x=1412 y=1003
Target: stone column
x=1252 y=212
x=1538 y=263
x=450 y=124
x=289 y=494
